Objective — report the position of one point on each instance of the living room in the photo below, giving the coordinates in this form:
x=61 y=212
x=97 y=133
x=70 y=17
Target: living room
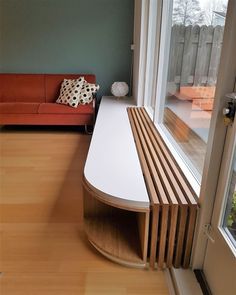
x=49 y=161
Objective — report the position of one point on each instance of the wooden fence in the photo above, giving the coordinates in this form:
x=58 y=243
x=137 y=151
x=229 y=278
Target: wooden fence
x=194 y=55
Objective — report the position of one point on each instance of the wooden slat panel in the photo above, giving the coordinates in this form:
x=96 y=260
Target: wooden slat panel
x=190 y=197
x=160 y=190
x=167 y=186
x=178 y=193
x=166 y=166
x=156 y=179
x=177 y=209
x=149 y=144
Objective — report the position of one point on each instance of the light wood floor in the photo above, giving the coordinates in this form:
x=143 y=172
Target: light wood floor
x=43 y=249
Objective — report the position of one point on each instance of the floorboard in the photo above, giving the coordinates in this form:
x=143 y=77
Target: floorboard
x=43 y=248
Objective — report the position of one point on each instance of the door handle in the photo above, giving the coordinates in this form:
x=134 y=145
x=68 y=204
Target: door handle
x=229 y=110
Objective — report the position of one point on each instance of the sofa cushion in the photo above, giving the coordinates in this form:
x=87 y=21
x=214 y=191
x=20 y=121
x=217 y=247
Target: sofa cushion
x=22 y=88
x=54 y=108
x=70 y=92
x=18 y=108
x=86 y=94
x=53 y=83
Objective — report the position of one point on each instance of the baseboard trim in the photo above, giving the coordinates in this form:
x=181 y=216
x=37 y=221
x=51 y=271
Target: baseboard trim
x=184 y=282
x=170 y=282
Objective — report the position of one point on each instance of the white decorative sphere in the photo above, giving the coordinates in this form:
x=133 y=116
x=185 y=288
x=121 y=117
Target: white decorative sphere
x=119 y=89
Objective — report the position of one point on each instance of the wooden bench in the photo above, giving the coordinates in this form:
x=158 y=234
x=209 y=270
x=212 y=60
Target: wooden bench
x=173 y=203
x=138 y=206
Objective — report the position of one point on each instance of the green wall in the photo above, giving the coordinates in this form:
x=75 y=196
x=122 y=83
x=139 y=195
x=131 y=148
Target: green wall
x=68 y=36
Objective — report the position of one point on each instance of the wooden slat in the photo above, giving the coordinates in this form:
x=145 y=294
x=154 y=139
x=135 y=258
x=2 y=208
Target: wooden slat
x=154 y=233
x=176 y=51
x=189 y=236
x=161 y=194
x=183 y=214
x=160 y=190
x=215 y=55
x=143 y=230
x=162 y=237
x=191 y=34
x=203 y=54
x=150 y=186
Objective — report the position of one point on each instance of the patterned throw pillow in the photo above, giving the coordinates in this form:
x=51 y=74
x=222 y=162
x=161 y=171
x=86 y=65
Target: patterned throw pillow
x=87 y=91
x=70 y=92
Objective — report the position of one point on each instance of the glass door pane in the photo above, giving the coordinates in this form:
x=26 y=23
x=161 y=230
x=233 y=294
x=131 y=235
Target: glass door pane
x=229 y=221
x=194 y=55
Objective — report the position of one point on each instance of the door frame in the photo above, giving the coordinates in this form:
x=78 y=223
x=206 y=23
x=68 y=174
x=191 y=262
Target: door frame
x=217 y=135
x=228 y=159
x=220 y=251
x=217 y=132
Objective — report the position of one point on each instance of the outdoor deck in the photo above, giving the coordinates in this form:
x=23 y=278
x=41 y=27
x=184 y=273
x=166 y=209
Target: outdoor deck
x=189 y=127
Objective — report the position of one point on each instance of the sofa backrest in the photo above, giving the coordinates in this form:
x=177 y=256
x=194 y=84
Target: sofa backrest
x=53 y=83
x=34 y=87
x=22 y=88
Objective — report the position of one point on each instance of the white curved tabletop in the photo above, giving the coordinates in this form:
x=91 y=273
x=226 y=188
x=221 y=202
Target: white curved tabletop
x=112 y=164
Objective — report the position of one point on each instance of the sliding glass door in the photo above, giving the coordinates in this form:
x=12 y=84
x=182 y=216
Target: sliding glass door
x=191 y=40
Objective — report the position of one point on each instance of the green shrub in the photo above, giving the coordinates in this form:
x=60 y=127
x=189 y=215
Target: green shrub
x=231 y=221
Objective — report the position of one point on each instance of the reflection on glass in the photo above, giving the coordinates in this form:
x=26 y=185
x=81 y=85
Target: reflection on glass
x=229 y=223
x=195 y=48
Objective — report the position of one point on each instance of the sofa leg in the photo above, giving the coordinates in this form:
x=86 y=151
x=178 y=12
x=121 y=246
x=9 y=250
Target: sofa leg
x=88 y=129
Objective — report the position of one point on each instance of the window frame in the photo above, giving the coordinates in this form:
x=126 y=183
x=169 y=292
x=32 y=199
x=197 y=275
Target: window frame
x=152 y=58
x=160 y=57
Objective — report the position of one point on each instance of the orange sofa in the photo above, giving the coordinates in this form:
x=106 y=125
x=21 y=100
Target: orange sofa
x=29 y=99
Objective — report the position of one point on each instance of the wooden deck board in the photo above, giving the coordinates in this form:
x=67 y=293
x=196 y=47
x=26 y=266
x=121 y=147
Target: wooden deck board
x=191 y=144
